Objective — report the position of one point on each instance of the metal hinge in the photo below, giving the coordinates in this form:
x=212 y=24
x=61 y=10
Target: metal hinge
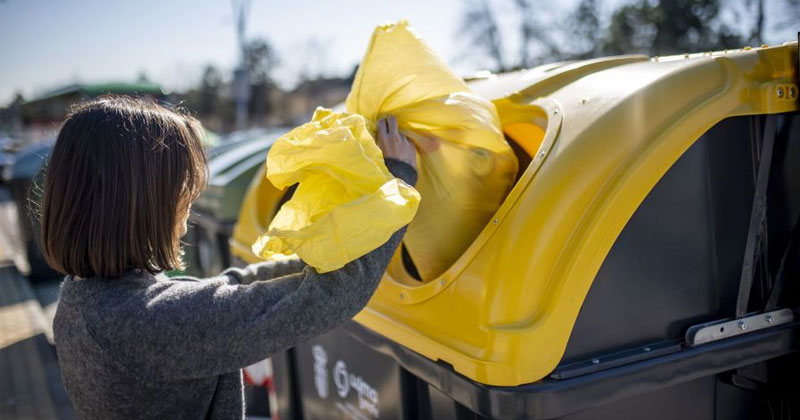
x=726 y=328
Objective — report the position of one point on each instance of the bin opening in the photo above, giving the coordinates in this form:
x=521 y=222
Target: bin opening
x=523 y=131
x=525 y=138
x=270 y=200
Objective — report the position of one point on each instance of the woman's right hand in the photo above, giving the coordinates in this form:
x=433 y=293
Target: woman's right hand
x=393 y=144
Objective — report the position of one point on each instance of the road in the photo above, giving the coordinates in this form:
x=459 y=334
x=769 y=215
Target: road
x=30 y=382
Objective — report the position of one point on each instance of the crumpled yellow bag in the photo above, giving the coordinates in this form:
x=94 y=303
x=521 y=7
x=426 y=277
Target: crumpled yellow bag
x=346 y=204
x=466 y=168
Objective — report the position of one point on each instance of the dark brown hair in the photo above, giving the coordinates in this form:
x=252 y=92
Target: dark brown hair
x=122 y=174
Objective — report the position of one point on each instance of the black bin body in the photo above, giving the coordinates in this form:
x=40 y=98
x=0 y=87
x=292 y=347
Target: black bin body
x=676 y=264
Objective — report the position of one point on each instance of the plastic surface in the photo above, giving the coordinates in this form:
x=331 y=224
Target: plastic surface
x=225 y=161
x=678 y=260
x=503 y=313
x=466 y=168
x=260 y=204
x=308 y=382
x=347 y=202
x=231 y=167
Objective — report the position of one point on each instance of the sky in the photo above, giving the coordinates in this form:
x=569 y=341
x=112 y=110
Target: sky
x=46 y=44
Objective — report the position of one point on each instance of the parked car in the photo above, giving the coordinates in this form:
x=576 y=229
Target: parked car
x=6 y=158
x=231 y=169
x=25 y=183
x=643 y=266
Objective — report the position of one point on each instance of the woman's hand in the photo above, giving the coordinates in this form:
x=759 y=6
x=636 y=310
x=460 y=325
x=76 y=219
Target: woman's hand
x=393 y=144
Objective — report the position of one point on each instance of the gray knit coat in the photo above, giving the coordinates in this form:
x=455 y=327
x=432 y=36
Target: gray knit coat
x=151 y=347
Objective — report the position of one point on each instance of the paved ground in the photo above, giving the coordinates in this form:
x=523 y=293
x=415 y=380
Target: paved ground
x=30 y=382
x=10 y=241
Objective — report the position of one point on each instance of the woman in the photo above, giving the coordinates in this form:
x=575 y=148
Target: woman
x=133 y=343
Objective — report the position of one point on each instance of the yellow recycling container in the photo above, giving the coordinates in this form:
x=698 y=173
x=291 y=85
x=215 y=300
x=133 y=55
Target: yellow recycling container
x=593 y=140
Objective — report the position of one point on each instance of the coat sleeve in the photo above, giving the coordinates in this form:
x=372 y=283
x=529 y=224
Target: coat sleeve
x=196 y=329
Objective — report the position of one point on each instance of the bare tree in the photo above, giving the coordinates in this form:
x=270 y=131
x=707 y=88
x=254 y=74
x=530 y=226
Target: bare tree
x=527 y=31
x=207 y=100
x=209 y=91
x=789 y=11
x=653 y=27
x=792 y=10
x=260 y=60
x=775 y=14
x=483 y=33
x=584 y=25
x=749 y=11
x=535 y=32
x=758 y=30
x=311 y=59
x=670 y=27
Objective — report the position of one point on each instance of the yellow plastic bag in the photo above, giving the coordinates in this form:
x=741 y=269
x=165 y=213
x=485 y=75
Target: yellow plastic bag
x=347 y=202
x=466 y=168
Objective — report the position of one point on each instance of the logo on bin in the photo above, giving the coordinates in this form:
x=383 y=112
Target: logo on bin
x=320 y=370
x=341 y=379
x=344 y=381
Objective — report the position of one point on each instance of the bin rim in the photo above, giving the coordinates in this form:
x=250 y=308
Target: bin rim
x=553 y=398
x=526 y=284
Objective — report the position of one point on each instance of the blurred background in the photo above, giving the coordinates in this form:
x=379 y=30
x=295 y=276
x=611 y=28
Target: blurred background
x=240 y=64
x=249 y=70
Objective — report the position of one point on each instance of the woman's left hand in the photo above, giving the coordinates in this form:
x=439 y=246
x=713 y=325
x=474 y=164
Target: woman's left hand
x=393 y=144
